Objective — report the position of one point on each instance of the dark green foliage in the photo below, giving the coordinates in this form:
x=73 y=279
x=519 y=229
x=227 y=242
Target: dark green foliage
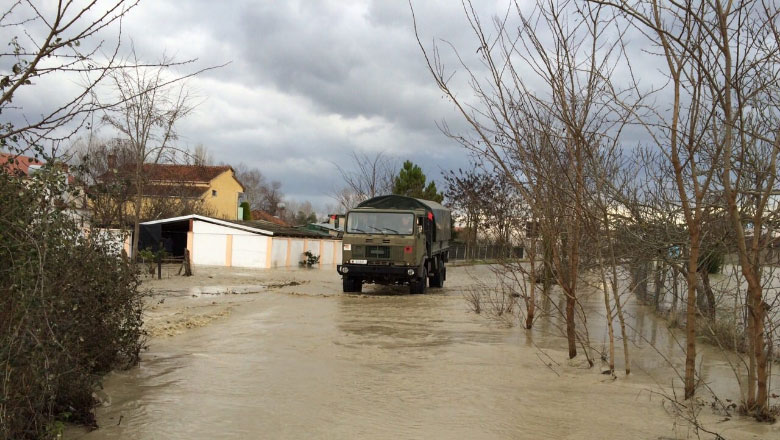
x=301 y=218
x=411 y=182
x=712 y=259
x=309 y=259
x=246 y=211
x=70 y=310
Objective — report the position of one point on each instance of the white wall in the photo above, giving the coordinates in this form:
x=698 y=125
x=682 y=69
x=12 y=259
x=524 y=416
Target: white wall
x=313 y=246
x=279 y=252
x=250 y=251
x=209 y=249
x=327 y=252
x=337 y=245
x=296 y=251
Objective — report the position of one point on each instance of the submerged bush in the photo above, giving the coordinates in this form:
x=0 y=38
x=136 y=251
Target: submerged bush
x=70 y=309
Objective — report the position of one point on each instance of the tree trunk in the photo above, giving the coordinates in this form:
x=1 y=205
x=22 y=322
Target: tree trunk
x=621 y=319
x=658 y=283
x=610 y=330
x=707 y=298
x=690 y=321
x=137 y=220
x=531 y=306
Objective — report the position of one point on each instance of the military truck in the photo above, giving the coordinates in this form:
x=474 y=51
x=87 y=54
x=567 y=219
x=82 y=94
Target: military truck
x=395 y=240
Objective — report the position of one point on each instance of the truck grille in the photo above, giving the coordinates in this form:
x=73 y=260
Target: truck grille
x=369 y=252
x=378 y=252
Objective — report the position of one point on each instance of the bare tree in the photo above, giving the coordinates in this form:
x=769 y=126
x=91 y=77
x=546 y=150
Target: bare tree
x=365 y=177
x=60 y=39
x=151 y=103
x=570 y=115
x=254 y=185
x=96 y=159
x=200 y=156
x=720 y=58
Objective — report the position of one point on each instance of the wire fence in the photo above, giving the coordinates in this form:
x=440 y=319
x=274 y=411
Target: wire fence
x=463 y=251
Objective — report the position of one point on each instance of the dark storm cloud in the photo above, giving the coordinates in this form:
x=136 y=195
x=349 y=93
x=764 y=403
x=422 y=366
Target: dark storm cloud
x=308 y=83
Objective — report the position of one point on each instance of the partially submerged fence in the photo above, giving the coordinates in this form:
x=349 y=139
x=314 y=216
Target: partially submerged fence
x=463 y=251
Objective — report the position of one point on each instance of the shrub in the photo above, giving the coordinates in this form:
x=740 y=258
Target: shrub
x=309 y=259
x=70 y=310
x=712 y=259
x=246 y=211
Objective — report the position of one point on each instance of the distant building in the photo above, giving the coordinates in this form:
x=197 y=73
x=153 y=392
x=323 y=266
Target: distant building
x=25 y=166
x=216 y=187
x=251 y=244
x=259 y=214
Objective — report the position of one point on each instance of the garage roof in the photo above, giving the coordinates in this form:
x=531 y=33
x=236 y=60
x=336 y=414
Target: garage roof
x=215 y=221
x=256 y=226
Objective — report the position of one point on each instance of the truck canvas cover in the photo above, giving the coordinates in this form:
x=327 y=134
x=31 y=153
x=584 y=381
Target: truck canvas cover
x=441 y=215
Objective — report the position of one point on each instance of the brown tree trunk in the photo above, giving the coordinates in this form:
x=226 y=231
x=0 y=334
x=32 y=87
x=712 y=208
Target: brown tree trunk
x=708 y=297
x=531 y=305
x=137 y=219
x=571 y=335
x=690 y=321
x=621 y=319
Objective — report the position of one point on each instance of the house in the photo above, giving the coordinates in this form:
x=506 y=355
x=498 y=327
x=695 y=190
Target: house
x=251 y=244
x=25 y=166
x=211 y=189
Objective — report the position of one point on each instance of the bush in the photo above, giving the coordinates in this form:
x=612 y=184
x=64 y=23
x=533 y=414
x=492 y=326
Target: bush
x=712 y=259
x=309 y=259
x=70 y=310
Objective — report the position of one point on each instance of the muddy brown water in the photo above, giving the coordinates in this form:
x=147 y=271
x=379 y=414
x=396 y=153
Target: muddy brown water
x=319 y=364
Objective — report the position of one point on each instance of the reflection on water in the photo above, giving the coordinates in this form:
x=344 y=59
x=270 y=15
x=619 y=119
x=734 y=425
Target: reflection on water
x=386 y=366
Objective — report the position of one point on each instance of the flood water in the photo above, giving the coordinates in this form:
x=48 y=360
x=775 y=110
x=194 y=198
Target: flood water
x=391 y=365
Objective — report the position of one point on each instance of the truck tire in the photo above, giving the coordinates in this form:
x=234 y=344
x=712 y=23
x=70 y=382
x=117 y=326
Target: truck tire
x=439 y=276
x=417 y=286
x=352 y=285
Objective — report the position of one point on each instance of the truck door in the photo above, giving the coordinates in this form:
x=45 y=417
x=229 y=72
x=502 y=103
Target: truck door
x=429 y=232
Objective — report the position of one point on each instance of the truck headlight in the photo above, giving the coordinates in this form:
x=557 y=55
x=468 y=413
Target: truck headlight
x=410 y=272
x=344 y=269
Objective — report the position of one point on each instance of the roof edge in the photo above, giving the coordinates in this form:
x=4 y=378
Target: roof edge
x=210 y=220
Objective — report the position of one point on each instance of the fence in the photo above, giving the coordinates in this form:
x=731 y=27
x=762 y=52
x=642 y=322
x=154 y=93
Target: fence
x=463 y=251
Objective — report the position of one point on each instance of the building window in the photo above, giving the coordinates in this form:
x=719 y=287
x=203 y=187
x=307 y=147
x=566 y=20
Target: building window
x=213 y=193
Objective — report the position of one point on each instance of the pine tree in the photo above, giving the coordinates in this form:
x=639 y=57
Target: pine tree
x=411 y=182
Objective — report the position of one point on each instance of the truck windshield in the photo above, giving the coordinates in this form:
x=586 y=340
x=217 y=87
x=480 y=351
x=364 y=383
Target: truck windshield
x=380 y=223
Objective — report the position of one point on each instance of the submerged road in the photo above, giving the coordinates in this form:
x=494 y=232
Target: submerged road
x=384 y=365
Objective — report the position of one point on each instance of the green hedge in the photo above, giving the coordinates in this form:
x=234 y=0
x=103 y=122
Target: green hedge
x=70 y=310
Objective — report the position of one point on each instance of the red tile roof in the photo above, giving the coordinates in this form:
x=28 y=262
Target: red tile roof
x=20 y=165
x=173 y=174
x=262 y=215
x=180 y=173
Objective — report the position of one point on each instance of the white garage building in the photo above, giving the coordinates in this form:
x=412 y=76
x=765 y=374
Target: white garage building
x=253 y=244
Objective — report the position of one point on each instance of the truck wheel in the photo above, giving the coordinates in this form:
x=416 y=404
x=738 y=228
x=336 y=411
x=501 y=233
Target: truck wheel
x=352 y=285
x=438 y=278
x=417 y=286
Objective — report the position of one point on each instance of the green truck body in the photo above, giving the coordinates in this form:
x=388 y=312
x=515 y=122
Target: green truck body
x=395 y=240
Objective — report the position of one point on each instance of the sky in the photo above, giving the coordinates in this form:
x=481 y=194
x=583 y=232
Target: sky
x=309 y=82
x=305 y=83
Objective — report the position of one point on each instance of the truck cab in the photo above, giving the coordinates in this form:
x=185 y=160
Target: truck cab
x=395 y=240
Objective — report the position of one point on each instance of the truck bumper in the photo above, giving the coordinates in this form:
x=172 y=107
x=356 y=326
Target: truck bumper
x=379 y=273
